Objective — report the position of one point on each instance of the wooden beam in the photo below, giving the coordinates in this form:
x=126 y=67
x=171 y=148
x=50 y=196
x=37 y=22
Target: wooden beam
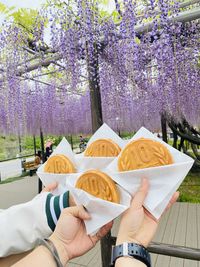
x=181 y=5
x=183 y=17
x=39 y=63
x=188 y=3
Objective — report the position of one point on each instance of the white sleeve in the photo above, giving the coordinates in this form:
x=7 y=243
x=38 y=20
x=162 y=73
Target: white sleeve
x=22 y=225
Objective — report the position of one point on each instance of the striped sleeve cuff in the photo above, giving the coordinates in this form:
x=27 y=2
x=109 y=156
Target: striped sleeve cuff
x=54 y=206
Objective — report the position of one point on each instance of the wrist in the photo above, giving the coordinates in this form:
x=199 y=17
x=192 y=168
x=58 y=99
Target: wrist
x=60 y=247
x=128 y=261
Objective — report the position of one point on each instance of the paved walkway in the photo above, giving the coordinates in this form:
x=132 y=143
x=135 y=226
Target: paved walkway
x=18 y=192
x=179 y=226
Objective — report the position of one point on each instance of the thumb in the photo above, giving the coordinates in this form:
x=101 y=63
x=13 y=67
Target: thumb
x=140 y=195
x=50 y=187
x=78 y=212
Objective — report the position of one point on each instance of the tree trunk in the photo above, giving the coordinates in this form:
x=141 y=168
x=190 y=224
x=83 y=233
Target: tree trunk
x=164 y=127
x=97 y=121
x=95 y=93
x=175 y=140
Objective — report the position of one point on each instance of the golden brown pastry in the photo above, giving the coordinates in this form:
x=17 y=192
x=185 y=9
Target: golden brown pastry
x=59 y=164
x=143 y=153
x=99 y=184
x=102 y=148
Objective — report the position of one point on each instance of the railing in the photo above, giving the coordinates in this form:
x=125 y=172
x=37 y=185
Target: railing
x=20 y=157
x=175 y=251
x=154 y=247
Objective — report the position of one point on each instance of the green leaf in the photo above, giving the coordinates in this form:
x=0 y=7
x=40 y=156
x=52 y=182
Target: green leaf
x=6 y=10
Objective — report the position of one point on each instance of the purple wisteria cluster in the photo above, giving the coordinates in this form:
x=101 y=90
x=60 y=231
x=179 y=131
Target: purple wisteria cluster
x=145 y=64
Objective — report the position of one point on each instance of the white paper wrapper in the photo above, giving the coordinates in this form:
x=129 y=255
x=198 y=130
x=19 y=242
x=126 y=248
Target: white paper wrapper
x=86 y=163
x=47 y=178
x=164 y=180
x=101 y=211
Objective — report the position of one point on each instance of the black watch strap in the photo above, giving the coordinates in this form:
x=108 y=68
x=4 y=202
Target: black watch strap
x=131 y=250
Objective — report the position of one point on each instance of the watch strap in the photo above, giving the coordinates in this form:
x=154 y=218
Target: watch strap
x=131 y=250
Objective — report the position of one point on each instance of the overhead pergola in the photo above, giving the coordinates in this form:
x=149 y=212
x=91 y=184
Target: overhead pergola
x=34 y=63
x=52 y=56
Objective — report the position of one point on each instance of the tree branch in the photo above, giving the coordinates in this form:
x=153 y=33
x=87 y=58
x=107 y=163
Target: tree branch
x=49 y=84
x=118 y=8
x=195 y=150
x=190 y=138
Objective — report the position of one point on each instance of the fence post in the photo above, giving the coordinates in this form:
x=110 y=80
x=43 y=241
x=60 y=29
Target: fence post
x=34 y=144
x=43 y=158
x=106 y=247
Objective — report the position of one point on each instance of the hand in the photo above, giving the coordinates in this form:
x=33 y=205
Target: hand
x=137 y=224
x=50 y=187
x=70 y=237
x=53 y=186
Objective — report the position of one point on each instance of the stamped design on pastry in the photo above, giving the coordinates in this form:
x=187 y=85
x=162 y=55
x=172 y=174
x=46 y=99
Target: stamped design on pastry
x=144 y=153
x=99 y=184
x=59 y=164
x=102 y=148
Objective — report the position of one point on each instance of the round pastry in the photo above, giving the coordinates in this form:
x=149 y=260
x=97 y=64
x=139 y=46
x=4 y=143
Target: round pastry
x=143 y=153
x=102 y=148
x=99 y=185
x=59 y=164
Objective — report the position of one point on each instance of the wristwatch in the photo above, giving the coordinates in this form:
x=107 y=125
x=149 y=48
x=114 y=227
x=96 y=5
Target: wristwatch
x=133 y=250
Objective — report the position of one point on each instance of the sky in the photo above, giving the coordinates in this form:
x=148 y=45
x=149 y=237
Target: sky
x=23 y=3
x=36 y=4
x=33 y=3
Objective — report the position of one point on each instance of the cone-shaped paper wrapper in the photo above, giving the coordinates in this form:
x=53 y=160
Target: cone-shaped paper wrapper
x=47 y=178
x=101 y=211
x=164 y=180
x=86 y=163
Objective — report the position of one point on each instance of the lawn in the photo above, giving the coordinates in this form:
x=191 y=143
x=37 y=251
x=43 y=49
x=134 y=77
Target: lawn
x=190 y=188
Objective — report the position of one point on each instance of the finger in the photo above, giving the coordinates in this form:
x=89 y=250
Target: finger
x=101 y=233
x=150 y=215
x=172 y=201
x=50 y=187
x=78 y=212
x=71 y=200
x=140 y=195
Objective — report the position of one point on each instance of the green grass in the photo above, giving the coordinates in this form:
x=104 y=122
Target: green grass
x=13 y=179
x=190 y=188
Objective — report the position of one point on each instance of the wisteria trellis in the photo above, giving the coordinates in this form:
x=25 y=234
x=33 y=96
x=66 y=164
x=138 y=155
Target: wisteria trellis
x=140 y=75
